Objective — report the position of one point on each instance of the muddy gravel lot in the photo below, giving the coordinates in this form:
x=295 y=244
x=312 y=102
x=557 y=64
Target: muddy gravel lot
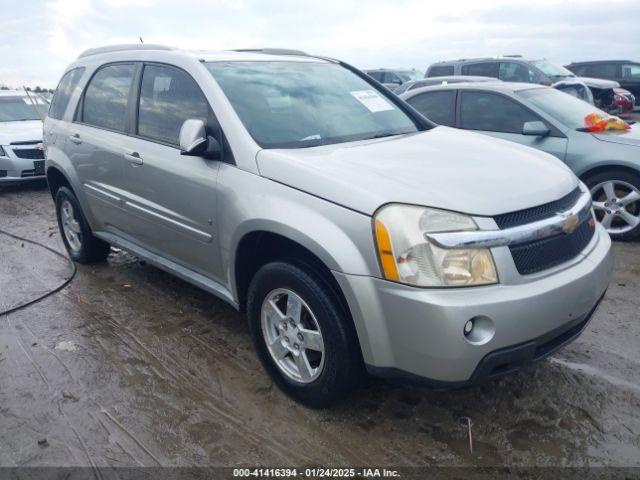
x=129 y=366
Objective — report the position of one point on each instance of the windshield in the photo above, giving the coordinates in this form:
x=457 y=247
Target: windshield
x=561 y=106
x=19 y=108
x=296 y=104
x=409 y=75
x=551 y=69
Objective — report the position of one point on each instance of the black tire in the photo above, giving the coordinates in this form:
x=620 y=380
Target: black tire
x=92 y=249
x=634 y=208
x=342 y=370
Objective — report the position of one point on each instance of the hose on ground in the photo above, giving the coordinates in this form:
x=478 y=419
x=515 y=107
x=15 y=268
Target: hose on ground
x=74 y=270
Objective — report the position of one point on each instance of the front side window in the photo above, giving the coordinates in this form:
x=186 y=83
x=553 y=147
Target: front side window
x=515 y=72
x=438 y=107
x=303 y=104
x=168 y=97
x=18 y=108
x=106 y=98
x=631 y=71
x=483 y=69
x=567 y=109
x=494 y=113
x=63 y=92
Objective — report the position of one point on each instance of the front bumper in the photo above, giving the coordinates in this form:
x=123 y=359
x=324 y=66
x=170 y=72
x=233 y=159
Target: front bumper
x=418 y=333
x=16 y=169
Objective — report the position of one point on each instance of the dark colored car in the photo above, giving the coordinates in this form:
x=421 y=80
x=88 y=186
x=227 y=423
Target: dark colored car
x=625 y=72
x=427 y=82
x=393 y=78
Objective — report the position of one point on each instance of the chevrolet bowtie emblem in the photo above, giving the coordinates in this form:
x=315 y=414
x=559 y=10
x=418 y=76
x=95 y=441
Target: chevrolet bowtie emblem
x=570 y=223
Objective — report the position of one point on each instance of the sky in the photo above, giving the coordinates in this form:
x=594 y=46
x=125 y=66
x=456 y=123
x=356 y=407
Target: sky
x=39 y=38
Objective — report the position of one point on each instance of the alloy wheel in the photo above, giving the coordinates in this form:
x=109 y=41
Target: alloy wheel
x=617 y=205
x=292 y=335
x=70 y=226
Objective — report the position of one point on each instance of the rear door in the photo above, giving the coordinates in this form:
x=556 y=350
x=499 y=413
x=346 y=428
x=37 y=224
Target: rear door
x=95 y=140
x=170 y=198
x=500 y=116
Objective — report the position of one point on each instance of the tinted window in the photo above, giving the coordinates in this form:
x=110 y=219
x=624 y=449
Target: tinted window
x=303 y=104
x=515 y=72
x=602 y=70
x=485 y=69
x=437 y=106
x=441 y=71
x=376 y=75
x=168 y=97
x=493 y=113
x=107 y=96
x=631 y=70
x=579 y=70
x=63 y=93
x=390 y=77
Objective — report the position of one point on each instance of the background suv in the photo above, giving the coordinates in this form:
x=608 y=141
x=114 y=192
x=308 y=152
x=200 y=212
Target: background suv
x=305 y=194
x=625 y=72
x=391 y=78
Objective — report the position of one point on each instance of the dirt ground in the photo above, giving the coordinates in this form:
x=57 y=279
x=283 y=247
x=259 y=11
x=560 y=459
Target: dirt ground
x=129 y=366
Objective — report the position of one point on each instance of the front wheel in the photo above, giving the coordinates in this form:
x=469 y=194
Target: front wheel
x=303 y=336
x=616 y=202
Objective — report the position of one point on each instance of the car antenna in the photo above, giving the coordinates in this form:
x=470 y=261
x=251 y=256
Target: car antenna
x=141 y=40
x=34 y=104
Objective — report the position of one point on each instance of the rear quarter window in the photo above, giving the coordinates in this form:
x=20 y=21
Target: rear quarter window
x=440 y=71
x=483 y=69
x=63 y=93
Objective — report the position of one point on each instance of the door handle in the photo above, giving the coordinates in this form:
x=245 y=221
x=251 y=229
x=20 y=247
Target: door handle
x=75 y=138
x=135 y=160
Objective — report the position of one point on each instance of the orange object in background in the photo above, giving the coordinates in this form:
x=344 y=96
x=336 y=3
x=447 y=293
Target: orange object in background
x=595 y=122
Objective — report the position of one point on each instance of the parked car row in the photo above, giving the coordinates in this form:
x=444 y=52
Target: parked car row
x=602 y=91
x=353 y=231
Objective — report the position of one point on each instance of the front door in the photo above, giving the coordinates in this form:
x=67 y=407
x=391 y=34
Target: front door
x=170 y=198
x=502 y=117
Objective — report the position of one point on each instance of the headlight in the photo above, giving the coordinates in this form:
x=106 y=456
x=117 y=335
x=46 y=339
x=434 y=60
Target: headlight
x=407 y=256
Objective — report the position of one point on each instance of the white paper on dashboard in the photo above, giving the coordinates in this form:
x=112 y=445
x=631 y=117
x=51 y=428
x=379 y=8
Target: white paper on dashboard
x=372 y=100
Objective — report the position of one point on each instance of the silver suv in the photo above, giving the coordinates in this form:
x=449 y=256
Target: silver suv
x=353 y=232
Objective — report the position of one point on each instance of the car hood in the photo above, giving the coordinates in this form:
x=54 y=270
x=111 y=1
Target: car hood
x=28 y=130
x=599 y=82
x=443 y=167
x=627 y=137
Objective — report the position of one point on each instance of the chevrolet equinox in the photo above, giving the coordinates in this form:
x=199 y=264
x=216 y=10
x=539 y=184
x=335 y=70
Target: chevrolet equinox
x=355 y=234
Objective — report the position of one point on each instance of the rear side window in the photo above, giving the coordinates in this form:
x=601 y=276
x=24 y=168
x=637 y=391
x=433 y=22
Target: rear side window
x=602 y=70
x=168 y=97
x=631 y=70
x=441 y=71
x=436 y=106
x=484 y=69
x=493 y=113
x=63 y=92
x=376 y=75
x=106 y=98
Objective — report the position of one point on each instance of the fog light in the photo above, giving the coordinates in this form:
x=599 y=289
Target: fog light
x=468 y=327
x=479 y=330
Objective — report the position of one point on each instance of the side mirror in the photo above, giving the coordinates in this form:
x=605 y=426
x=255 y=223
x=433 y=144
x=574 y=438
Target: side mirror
x=195 y=142
x=535 y=129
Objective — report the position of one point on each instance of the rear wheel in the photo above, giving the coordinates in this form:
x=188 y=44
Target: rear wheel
x=82 y=246
x=303 y=337
x=616 y=202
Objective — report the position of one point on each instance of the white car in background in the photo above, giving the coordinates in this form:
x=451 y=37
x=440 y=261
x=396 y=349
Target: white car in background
x=21 y=153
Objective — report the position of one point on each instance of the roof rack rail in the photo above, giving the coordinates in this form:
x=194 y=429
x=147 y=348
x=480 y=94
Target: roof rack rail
x=123 y=48
x=273 y=51
x=512 y=56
